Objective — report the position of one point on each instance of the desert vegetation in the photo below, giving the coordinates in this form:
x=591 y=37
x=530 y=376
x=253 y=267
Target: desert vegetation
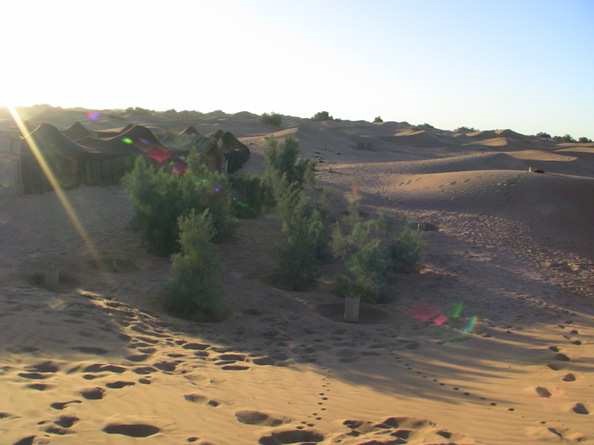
x=373 y=252
x=272 y=119
x=322 y=116
x=378 y=120
x=195 y=288
x=291 y=180
x=160 y=199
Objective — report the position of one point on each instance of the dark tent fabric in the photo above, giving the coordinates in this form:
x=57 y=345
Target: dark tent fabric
x=90 y=161
x=77 y=131
x=190 y=130
x=103 y=157
x=236 y=153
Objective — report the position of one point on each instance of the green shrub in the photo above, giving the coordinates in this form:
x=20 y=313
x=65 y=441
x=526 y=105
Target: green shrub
x=160 y=198
x=405 y=251
x=322 y=116
x=464 y=129
x=378 y=120
x=272 y=119
x=250 y=195
x=303 y=228
x=282 y=160
x=372 y=255
x=195 y=290
x=543 y=135
x=584 y=140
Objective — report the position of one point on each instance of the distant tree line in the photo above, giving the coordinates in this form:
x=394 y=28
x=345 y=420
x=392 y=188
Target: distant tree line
x=564 y=139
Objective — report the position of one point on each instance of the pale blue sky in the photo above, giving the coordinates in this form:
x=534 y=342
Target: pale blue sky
x=526 y=65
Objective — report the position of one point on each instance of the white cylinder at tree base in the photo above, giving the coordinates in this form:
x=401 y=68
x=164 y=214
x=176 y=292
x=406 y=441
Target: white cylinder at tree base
x=351 y=308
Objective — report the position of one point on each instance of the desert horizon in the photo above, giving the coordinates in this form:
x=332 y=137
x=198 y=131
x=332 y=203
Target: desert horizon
x=485 y=340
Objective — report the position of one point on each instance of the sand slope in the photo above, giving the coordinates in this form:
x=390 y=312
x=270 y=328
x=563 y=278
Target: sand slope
x=491 y=342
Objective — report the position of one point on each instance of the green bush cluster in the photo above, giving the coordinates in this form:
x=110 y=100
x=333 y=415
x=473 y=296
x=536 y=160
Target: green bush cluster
x=304 y=237
x=283 y=161
x=160 y=199
x=378 y=120
x=272 y=119
x=195 y=290
x=322 y=116
x=251 y=195
x=290 y=181
x=372 y=254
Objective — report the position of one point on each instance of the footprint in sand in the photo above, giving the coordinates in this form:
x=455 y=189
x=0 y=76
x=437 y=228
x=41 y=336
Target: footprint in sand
x=119 y=384
x=199 y=398
x=235 y=368
x=569 y=377
x=137 y=357
x=93 y=393
x=66 y=421
x=63 y=405
x=196 y=346
x=25 y=441
x=39 y=386
x=401 y=429
x=131 y=429
x=580 y=408
x=143 y=370
x=542 y=391
x=291 y=436
x=53 y=429
x=101 y=367
x=259 y=418
x=167 y=366
x=45 y=367
x=33 y=375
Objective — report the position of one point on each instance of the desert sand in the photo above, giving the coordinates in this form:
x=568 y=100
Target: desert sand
x=491 y=342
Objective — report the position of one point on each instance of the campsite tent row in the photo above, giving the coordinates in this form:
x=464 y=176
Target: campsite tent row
x=80 y=156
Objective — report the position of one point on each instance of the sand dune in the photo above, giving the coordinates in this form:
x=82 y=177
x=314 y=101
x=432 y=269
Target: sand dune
x=95 y=360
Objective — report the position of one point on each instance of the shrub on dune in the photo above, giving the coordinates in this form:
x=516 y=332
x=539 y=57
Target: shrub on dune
x=160 y=199
x=372 y=252
x=195 y=289
x=322 y=116
x=272 y=119
x=304 y=239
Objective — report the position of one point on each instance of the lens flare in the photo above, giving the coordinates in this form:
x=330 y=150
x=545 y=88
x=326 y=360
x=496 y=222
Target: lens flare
x=470 y=324
x=93 y=115
x=456 y=311
x=127 y=141
x=47 y=171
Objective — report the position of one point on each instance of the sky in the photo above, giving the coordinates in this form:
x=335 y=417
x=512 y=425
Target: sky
x=526 y=65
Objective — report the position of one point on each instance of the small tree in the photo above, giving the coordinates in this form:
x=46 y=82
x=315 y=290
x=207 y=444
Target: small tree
x=304 y=238
x=160 y=198
x=584 y=140
x=464 y=129
x=543 y=135
x=250 y=195
x=378 y=120
x=322 y=116
x=272 y=119
x=195 y=290
x=372 y=254
x=283 y=160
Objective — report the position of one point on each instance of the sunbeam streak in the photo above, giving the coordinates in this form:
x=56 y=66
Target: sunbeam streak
x=45 y=167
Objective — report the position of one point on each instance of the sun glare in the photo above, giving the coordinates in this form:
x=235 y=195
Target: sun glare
x=51 y=177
